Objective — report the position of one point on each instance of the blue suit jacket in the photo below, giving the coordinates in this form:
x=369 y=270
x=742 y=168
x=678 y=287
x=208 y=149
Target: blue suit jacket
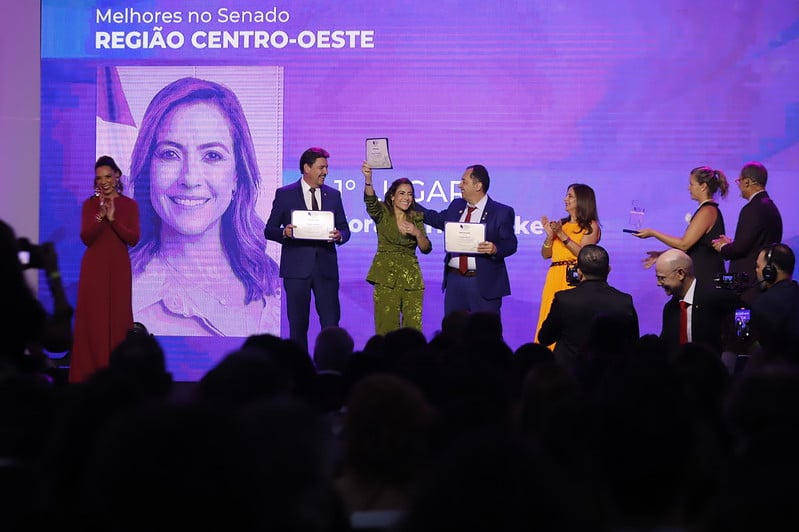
x=500 y=220
x=299 y=256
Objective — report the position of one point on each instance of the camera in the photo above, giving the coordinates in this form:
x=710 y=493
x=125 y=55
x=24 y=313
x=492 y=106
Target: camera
x=30 y=255
x=572 y=275
x=732 y=281
x=742 y=316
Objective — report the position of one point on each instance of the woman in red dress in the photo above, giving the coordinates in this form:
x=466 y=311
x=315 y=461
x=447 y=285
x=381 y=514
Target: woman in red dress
x=104 y=313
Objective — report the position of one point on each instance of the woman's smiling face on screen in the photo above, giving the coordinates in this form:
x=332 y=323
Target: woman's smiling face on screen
x=193 y=169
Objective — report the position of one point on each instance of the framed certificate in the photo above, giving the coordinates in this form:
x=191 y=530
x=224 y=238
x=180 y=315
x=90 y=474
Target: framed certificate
x=462 y=237
x=377 y=156
x=312 y=225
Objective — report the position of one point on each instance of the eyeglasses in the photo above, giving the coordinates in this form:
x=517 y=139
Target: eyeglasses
x=662 y=278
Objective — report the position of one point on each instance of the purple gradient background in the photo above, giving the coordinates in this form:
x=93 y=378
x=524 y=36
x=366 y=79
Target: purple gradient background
x=624 y=96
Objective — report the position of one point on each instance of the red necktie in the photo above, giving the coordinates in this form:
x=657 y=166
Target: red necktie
x=684 y=322
x=463 y=260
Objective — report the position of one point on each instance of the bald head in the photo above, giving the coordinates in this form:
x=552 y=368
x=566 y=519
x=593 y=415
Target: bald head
x=673 y=259
x=674 y=271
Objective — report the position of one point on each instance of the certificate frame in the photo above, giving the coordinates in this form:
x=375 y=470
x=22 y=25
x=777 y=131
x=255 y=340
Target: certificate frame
x=312 y=225
x=463 y=237
x=377 y=155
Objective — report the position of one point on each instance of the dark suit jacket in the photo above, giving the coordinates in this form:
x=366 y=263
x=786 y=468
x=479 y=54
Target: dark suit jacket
x=500 y=220
x=711 y=314
x=759 y=224
x=299 y=256
x=775 y=318
x=573 y=311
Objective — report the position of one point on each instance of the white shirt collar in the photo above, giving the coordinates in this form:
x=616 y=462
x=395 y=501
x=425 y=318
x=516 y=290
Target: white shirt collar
x=481 y=205
x=689 y=295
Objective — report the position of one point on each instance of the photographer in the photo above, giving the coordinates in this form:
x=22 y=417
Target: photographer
x=573 y=311
x=775 y=310
x=27 y=329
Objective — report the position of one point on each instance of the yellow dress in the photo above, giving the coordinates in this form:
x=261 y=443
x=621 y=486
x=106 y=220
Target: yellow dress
x=556 y=275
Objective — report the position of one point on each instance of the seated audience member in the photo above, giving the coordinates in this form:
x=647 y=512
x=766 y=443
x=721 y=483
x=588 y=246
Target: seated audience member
x=451 y=332
x=482 y=326
x=570 y=319
x=292 y=456
x=292 y=359
x=762 y=414
x=241 y=377
x=490 y=482
x=527 y=357
x=399 y=342
x=775 y=311
x=646 y=443
x=695 y=313
x=332 y=350
x=141 y=359
x=386 y=431
x=185 y=468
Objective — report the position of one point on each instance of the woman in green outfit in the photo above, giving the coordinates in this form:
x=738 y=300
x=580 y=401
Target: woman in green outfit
x=395 y=272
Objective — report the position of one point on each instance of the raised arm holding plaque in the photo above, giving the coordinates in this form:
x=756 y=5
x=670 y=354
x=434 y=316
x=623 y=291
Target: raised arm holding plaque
x=463 y=237
x=377 y=156
x=312 y=225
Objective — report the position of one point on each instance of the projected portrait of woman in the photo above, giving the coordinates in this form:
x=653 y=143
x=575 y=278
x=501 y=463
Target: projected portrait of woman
x=201 y=266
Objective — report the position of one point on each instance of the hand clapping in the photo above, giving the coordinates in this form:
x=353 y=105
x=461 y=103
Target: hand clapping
x=110 y=209
x=408 y=228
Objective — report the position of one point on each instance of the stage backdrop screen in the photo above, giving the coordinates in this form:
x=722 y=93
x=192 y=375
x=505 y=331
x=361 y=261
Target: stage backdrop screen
x=625 y=96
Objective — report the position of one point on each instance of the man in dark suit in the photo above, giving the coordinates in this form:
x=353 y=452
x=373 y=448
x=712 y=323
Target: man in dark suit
x=308 y=265
x=706 y=308
x=573 y=312
x=759 y=223
x=482 y=280
x=775 y=311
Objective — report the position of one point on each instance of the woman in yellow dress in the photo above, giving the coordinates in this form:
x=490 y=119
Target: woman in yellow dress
x=565 y=238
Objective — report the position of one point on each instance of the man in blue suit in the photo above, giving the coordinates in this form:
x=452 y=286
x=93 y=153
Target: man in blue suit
x=479 y=283
x=309 y=265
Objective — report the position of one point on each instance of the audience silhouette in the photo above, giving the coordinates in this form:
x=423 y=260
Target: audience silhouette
x=459 y=432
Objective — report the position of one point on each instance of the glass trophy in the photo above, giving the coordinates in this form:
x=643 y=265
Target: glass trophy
x=636 y=219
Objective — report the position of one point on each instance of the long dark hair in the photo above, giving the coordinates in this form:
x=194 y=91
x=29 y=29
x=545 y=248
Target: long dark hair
x=586 y=211
x=388 y=198
x=240 y=226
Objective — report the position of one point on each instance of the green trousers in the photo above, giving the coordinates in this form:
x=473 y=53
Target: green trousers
x=396 y=308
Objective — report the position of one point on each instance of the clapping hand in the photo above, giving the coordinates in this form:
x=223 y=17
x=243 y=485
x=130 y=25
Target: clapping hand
x=547 y=227
x=408 y=228
x=556 y=229
x=110 y=209
x=721 y=241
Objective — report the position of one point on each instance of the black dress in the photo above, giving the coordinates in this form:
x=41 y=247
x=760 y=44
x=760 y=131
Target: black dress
x=708 y=262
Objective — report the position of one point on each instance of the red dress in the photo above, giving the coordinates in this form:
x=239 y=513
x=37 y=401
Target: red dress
x=104 y=312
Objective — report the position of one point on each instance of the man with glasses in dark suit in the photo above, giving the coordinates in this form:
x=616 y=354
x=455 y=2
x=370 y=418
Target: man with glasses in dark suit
x=759 y=224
